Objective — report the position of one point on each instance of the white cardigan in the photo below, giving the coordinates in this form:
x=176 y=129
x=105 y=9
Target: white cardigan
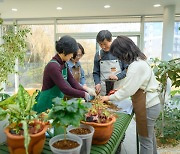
x=138 y=75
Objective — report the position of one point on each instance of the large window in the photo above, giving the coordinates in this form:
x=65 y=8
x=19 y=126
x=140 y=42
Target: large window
x=41 y=46
x=40 y=51
x=153 y=39
x=176 y=46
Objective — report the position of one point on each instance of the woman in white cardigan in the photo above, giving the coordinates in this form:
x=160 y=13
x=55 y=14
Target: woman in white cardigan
x=141 y=84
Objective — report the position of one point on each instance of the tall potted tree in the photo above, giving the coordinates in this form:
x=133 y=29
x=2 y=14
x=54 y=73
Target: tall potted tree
x=13 y=47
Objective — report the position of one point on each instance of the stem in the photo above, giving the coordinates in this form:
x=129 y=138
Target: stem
x=163 y=103
x=65 y=136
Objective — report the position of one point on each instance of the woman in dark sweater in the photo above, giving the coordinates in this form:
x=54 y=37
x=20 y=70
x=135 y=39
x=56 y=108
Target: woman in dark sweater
x=57 y=79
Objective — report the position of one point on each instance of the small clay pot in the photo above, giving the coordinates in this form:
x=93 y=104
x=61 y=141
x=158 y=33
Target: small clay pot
x=102 y=131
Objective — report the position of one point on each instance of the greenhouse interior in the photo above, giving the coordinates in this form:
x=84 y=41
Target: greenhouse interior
x=90 y=77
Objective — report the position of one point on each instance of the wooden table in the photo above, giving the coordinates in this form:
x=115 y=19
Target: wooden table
x=120 y=127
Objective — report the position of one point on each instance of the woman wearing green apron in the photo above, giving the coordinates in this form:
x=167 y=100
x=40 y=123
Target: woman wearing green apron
x=57 y=79
x=141 y=84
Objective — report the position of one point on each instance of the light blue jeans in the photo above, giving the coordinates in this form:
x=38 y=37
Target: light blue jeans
x=148 y=144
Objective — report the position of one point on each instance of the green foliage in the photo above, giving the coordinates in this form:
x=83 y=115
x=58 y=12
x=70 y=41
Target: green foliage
x=13 y=47
x=3 y=96
x=1 y=21
x=6 y=101
x=168 y=124
x=171 y=126
x=65 y=113
x=165 y=69
x=98 y=113
x=18 y=108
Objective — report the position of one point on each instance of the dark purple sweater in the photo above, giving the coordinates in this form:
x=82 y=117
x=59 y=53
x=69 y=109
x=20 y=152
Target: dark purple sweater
x=53 y=76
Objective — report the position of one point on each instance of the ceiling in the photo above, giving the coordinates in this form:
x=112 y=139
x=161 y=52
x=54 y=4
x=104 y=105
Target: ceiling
x=81 y=8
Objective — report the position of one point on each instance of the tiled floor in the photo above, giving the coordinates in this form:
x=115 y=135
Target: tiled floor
x=129 y=144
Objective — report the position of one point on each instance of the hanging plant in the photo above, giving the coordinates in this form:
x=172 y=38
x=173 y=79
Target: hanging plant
x=14 y=47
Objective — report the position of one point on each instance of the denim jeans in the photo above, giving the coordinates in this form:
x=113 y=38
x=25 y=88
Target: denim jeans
x=148 y=144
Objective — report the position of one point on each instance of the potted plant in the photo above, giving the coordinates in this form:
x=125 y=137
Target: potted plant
x=25 y=133
x=102 y=120
x=85 y=132
x=66 y=113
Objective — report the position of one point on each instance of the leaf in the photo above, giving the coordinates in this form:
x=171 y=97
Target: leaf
x=58 y=108
x=26 y=135
x=57 y=100
x=3 y=114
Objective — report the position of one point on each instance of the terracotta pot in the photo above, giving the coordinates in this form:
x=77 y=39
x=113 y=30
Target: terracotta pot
x=16 y=143
x=102 y=131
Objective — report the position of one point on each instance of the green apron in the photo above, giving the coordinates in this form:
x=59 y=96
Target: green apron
x=44 y=98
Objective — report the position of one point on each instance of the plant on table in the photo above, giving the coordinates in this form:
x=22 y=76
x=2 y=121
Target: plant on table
x=66 y=113
x=99 y=112
x=22 y=119
x=102 y=119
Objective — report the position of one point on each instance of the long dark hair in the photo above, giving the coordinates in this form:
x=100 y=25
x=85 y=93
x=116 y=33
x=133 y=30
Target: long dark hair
x=125 y=50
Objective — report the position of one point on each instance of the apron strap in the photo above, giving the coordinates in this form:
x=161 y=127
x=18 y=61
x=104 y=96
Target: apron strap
x=64 y=71
x=99 y=54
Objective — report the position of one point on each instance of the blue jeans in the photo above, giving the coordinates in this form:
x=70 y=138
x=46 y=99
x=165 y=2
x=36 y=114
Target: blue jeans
x=148 y=144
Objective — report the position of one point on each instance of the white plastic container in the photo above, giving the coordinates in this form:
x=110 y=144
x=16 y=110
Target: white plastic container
x=87 y=138
x=69 y=151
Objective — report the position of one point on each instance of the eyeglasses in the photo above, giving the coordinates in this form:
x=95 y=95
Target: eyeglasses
x=79 y=55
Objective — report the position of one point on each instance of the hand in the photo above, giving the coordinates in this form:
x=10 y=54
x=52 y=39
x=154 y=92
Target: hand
x=87 y=97
x=112 y=92
x=98 y=88
x=104 y=98
x=113 y=77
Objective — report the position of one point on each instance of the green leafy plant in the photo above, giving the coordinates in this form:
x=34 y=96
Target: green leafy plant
x=172 y=126
x=98 y=112
x=1 y=21
x=7 y=100
x=3 y=96
x=13 y=47
x=20 y=114
x=65 y=113
x=164 y=70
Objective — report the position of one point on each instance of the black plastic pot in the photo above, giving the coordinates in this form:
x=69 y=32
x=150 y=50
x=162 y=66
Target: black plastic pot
x=109 y=85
